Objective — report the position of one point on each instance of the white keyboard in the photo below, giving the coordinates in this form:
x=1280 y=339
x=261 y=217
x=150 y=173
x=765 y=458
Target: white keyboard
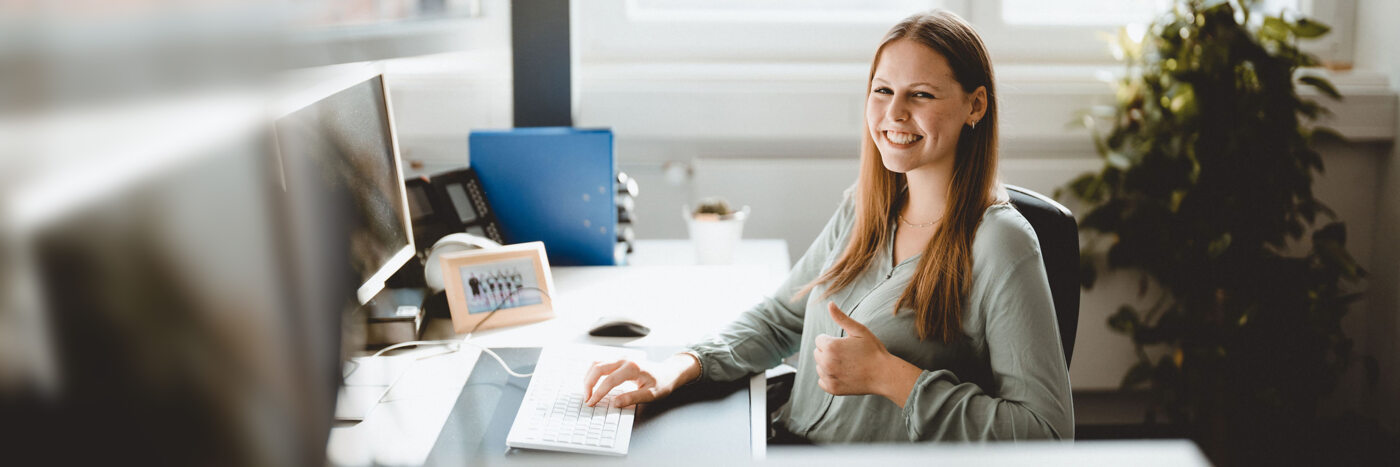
x=553 y=415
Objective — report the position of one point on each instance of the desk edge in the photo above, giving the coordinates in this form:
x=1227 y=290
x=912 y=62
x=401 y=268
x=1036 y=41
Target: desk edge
x=758 y=415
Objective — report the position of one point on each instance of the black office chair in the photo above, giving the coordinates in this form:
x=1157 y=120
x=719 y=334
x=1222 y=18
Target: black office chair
x=1058 y=233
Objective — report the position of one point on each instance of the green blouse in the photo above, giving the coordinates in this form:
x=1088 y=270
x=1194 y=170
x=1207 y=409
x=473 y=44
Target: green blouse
x=1007 y=380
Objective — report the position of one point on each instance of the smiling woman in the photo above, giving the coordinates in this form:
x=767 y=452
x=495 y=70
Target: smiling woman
x=922 y=311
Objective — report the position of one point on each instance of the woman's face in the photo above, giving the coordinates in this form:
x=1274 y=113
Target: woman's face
x=916 y=108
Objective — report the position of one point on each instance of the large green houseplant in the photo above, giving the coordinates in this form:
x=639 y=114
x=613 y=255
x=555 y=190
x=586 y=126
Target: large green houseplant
x=1206 y=189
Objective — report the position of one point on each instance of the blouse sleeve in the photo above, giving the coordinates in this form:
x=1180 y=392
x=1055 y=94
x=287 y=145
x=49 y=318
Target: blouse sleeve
x=1031 y=394
x=772 y=330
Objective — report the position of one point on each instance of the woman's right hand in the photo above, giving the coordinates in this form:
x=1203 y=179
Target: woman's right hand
x=655 y=380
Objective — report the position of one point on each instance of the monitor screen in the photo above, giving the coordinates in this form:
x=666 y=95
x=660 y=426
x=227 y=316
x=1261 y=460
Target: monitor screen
x=345 y=142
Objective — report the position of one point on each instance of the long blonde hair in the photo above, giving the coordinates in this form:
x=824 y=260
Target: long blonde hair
x=939 y=286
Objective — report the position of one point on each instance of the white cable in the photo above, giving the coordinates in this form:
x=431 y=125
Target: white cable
x=464 y=341
x=411 y=343
x=453 y=341
x=498 y=359
x=444 y=342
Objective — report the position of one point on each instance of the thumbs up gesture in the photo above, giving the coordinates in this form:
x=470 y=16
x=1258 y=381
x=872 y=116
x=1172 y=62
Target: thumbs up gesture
x=855 y=364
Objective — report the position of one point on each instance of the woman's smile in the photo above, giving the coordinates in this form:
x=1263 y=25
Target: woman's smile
x=901 y=140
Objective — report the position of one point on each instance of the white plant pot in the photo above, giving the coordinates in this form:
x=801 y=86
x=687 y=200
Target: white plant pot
x=715 y=237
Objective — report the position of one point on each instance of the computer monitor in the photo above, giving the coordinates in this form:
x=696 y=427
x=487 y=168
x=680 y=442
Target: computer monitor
x=340 y=133
x=182 y=324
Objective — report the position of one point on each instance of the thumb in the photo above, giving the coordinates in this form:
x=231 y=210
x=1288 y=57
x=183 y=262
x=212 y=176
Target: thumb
x=852 y=327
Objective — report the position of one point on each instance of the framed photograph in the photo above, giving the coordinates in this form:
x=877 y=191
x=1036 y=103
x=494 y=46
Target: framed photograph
x=507 y=280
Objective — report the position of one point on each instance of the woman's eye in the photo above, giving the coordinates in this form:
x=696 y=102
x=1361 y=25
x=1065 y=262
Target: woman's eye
x=923 y=95
x=883 y=91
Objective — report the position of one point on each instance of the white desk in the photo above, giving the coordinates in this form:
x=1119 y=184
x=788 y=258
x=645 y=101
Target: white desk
x=771 y=253
x=679 y=301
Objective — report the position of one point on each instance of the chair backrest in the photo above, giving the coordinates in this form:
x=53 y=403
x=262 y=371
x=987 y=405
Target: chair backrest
x=1058 y=233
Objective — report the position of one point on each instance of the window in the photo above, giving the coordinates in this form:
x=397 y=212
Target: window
x=1029 y=31
x=1076 y=13
x=1016 y=31
x=323 y=13
x=737 y=30
x=335 y=31
x=798 y=69
x=1101 y=12
x=776 y=11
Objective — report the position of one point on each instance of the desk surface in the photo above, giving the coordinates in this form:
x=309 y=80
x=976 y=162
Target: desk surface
x=680 y=302
x=771 y=253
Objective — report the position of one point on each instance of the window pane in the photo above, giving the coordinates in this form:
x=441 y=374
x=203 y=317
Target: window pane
x=1080 y=12
x=1100 y=12
x=314 y=13
x=780 y=10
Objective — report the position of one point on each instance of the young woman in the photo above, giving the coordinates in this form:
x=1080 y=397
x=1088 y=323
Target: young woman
x=922 y=310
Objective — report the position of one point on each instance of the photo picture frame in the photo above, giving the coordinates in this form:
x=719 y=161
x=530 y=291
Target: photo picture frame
x=498 y=287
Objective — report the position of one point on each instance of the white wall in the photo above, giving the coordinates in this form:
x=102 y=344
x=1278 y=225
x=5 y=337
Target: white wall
x=1376 y=49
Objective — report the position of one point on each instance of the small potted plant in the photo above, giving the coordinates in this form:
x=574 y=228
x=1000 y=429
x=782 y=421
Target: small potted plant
x=716 y=229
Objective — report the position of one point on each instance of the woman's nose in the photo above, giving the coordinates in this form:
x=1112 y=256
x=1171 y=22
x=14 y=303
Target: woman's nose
x=896 y=111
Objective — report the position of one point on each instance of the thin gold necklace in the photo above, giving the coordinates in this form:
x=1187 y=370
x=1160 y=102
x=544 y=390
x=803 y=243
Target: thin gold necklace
x=911 y=224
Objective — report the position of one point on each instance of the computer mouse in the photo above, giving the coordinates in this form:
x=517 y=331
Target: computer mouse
x=613 y=326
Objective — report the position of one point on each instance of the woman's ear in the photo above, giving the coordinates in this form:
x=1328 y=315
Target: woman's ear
x=979 y=105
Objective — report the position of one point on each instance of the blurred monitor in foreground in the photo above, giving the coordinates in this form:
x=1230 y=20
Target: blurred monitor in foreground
x=191 y=312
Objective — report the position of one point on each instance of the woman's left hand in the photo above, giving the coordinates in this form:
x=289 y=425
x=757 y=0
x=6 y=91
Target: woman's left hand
x=859 y=363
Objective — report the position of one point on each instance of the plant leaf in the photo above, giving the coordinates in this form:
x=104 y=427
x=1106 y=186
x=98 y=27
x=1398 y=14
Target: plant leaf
x=1348 y=298
x=1310 y=108
x=1311 y=159
x=1330 y=133
x=1323 y=85
x=1124 y=321
x=1138 y=374
x=1334 y=232
x=1087 y=187
x=1275 y=28
x=1218 y=246
x=1177 y=196
x=1309 y=29
x=1119 y=160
